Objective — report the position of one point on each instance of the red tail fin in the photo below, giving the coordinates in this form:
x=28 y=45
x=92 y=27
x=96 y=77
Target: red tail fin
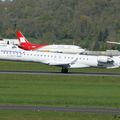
x=26 y=45
x=21 y=38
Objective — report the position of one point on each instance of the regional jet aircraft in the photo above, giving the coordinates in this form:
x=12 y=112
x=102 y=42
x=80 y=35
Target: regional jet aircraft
x=26 y=45
x=65 y=61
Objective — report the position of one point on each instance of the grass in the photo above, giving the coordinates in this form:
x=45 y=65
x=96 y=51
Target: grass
x=56 y=91
x=45 y=115
x=8 y=65
x=59 y=90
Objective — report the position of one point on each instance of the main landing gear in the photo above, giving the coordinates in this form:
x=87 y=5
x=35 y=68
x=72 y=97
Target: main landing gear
x=64 y=70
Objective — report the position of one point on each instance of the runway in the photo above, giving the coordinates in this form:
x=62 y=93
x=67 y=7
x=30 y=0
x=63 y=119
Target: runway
x=98 y=110
x=60 y=74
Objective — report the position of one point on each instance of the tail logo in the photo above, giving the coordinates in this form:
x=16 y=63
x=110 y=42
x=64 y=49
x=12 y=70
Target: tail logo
x=22 y=40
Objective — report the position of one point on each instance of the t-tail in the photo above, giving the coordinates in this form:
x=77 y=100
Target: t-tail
x=25 y=44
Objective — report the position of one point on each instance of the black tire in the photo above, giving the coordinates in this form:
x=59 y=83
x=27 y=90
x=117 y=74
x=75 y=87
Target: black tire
x=64 y=70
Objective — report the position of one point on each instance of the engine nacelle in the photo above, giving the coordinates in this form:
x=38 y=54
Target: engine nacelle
x=104 y=59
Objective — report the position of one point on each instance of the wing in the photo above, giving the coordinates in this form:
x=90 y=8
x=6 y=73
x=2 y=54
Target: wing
x=59 y=63
x=117 y=43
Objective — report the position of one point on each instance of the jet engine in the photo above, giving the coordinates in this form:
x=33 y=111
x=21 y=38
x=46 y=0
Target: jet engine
x=105 y=59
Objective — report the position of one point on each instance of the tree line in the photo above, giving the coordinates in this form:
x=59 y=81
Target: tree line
x=88 y=23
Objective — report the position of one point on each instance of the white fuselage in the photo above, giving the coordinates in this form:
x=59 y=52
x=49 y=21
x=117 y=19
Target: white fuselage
x=57 y=59
x=62 y=49
x=48 y=48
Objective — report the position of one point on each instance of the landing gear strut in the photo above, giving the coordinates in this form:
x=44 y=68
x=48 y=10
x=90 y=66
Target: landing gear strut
x=64 y=70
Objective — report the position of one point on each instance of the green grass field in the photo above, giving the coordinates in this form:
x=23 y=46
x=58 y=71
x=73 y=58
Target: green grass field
x=60 y=90
x=46 y=115
x=56 y=91
x=8 y=65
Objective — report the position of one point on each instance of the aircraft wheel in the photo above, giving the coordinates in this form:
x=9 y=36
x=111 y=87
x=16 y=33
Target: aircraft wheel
x=64 y=70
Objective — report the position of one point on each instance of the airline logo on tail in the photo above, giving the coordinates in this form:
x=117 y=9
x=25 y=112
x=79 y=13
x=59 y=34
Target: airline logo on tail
x=22 y=40
x=26 y=45
x=21 y=37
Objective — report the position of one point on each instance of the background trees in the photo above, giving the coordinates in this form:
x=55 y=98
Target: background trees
x=88 y=23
